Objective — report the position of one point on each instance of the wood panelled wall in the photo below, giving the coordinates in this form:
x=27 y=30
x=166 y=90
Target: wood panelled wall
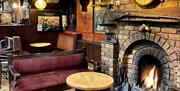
x=28 y=34
x=85 y=23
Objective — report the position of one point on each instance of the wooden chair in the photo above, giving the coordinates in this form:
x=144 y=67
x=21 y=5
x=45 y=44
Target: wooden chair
x=67 y=41
x=9 y=46
x=17 y=45
x=5 y=49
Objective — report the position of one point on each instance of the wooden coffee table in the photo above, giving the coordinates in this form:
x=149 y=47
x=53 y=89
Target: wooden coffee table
x=90 y=81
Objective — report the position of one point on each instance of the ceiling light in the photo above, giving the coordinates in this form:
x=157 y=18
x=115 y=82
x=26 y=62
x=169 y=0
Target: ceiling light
x=40 y=4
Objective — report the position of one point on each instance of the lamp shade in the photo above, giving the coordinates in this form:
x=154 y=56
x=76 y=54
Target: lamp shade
x=40 y=4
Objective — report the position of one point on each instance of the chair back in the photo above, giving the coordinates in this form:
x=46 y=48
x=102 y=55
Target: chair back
x=66 y=41
x=4 y=44
x=17 y=44
x=11 y=45
x=10 y=42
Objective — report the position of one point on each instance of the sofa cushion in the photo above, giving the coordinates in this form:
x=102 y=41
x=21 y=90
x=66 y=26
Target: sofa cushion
x=48 y=63
x=44 y=80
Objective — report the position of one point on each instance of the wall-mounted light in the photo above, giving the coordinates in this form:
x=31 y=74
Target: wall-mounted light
x=40 y=4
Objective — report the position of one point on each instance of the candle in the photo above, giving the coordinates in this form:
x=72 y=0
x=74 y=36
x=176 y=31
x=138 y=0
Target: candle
x=64 y=20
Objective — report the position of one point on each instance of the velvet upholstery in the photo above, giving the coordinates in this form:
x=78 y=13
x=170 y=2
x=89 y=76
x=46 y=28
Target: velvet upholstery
x=47 y=63
x=40 y=81
x=45 y=71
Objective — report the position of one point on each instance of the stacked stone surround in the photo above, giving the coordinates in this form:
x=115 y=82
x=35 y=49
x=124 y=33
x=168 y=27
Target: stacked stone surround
x=109 y=59
x=166 y=38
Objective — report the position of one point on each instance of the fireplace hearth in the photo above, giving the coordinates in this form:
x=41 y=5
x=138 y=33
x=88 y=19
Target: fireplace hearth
x=149 y=51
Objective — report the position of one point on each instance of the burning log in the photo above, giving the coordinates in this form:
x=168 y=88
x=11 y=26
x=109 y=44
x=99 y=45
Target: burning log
x=150 y=78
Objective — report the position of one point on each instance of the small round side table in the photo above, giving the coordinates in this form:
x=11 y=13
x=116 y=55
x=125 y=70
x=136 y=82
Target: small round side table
x=90 y=81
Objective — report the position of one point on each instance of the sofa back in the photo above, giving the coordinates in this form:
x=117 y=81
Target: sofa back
x=45 y=63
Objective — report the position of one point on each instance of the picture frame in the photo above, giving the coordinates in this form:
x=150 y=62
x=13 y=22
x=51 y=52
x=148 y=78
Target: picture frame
x=99 y=12
x=99 y=17
x=49 y=21
x=6 y=7
x=1 y=7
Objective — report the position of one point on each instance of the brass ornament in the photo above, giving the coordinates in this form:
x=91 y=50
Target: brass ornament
x=143 y=2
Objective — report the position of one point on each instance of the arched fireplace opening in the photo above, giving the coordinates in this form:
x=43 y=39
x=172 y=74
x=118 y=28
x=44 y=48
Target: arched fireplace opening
x=149 y=72
x=147 y=57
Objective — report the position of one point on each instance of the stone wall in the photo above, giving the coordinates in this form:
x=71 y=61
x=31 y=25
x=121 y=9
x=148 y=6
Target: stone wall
x=109 y=59
x=164 y=35
x=166 y=38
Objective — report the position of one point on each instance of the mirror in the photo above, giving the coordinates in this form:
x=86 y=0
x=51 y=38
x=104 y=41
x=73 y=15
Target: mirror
x=14 y=12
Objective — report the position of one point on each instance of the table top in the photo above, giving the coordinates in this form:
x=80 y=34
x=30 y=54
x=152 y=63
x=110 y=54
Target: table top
x=89 y=81
x=40 y=44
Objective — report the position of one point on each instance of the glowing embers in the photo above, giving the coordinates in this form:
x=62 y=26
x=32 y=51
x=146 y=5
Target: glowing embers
x=149 y=77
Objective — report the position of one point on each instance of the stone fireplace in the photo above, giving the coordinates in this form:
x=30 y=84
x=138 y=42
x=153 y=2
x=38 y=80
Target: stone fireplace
x=144 y=47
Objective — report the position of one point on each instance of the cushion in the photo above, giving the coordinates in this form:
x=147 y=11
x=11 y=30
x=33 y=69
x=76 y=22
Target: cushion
x=44 y=80
x=47 y=63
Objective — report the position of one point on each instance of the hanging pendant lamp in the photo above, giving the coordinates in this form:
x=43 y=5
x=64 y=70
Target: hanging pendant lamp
x=40 y=4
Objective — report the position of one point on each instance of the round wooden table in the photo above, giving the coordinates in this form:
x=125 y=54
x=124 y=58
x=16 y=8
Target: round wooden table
x=40 y=44
x=89 y=81
x=40 y=47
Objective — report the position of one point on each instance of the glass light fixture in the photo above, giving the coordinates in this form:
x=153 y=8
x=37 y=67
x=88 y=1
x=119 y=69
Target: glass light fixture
x=40 y=4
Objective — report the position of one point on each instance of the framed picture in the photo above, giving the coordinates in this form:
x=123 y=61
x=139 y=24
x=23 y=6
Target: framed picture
x=1 y=7
x=101 y=6
x=48 y=21
x=99 y=16
x=99 y=19
x=6 y=6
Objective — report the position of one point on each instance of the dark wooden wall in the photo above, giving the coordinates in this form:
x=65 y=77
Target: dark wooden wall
x=28 y=34
x=93 y=49
x=85 y=23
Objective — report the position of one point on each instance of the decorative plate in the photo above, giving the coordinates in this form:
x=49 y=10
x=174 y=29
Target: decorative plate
x=143 y=2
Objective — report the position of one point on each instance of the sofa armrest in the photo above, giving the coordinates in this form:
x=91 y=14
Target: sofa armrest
x=96 y=65
x=14 y=73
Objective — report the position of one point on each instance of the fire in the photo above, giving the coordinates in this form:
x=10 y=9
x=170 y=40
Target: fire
x=150 y=77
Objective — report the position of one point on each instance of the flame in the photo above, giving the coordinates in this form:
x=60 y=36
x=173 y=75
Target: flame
x=150 y=77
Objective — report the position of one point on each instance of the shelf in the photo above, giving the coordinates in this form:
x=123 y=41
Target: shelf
x=12 y=24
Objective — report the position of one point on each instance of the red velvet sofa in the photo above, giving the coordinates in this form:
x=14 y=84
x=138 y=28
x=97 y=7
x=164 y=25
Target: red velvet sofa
x=44 y=71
